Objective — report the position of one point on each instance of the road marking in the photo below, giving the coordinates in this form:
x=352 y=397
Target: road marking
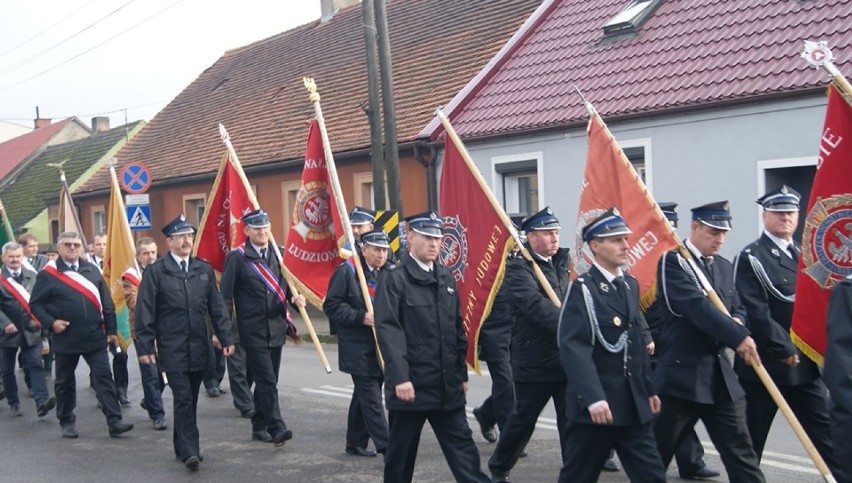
x=710 y=449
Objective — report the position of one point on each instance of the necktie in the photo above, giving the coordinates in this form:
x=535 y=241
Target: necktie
x=708 y=265
x=263 y=253
x=74 y=267
x=17 y=276
x=794 y=254
x=621 y=288
x=183 y=265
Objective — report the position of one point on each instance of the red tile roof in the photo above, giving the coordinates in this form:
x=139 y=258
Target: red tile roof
x=15 y=150
x=256 y=91
x=687 y=54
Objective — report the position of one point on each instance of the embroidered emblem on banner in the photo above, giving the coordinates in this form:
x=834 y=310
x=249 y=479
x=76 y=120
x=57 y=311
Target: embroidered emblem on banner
x=583 y=254
x=311 y=215
x=827 y=240
x=454 y=247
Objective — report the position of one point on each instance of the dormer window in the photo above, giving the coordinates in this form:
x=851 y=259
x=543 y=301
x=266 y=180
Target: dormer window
x=629 y=19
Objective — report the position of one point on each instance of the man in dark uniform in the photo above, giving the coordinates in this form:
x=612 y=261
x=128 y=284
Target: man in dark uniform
x=495 y=339
x=536 y=368
x=766 y=281
x=347 y=313
x=71 y=297
x=19 y=330
x=695 y=377
x=610 y=397
x=689 y=454
x=421 y=335
x=255 y=291
x=176 y=296
x=361 y=220
x=838 y=375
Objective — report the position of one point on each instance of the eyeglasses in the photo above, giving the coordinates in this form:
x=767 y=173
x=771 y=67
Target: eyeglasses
x=72 y=245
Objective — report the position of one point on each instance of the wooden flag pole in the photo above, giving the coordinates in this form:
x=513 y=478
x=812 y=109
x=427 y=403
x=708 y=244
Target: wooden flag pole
x=717 y=302
x=9 y=233
x=454 y=137
x=253 y=200
x=314 y=97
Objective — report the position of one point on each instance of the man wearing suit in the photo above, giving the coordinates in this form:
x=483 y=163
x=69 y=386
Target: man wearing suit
x=695 y=377
x=20 y=330
x=610 y=397
x=347 y=313
x=29 y=243
x=71 y=297
x=766 y=281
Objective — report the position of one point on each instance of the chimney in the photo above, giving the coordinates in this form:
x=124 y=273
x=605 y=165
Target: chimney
x=100 y=124
x=39 y=122
x=329 y=7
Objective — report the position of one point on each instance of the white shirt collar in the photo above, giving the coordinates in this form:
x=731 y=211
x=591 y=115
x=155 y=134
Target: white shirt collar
x=607 y=274
x=695 y=251
x=425 y=267
x=546 y=259
x=178 y=259
x=258 y=249
x=780 y=242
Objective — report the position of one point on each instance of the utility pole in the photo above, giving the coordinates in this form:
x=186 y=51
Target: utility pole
x=373 y=109
x=391 y=149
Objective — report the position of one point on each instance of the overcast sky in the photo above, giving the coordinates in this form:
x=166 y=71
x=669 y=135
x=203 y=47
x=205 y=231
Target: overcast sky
x=98 y=57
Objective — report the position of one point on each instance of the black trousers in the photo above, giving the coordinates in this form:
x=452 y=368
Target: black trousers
x=185 y=386
x=65 y=386
x=726 y=425
x=215 y=368
x=263 y=364
x=119 y=369
x=497 y=406
x=530 y=399
x=689 y=454
x=453 y=435
x=588 y=446
x=238 y=379
x=367 y=414
x=841 y=428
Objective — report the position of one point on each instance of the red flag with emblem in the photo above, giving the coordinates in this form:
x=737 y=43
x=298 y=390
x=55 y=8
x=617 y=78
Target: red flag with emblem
x=475 y=244
x=827 y=231
x=222 y=225
x=315 y=243
x=611 y=181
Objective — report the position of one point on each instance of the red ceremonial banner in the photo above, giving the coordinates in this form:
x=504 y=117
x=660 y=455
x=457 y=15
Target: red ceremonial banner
x=826 y=236
x=475 y=244
x=222 y=225
x=316 y=237
x=610 y=181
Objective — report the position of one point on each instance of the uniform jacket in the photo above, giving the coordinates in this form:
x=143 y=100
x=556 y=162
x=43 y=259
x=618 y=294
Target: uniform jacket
x=172 y=308
x=769 y=316
x=495 y=335
x=837 y=371
x=11 y=312
x=421 y=335
x=535 y=349
x=39 y=262
x=691 y=364
x=594 y=373
x=259 y=314
x=53 y=299
x=344 y=306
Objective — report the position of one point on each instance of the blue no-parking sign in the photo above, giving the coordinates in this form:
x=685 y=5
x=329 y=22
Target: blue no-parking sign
x=135 y=178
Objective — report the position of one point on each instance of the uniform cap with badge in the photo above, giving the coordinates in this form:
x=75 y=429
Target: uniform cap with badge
x=256 y=219
x=361 y=216
x=377 y=238
x=608 y=224
x=715 y=215
x=543 y=220
x=178 y=226
x=669 y=209
x=427 y=223
x=783 y=199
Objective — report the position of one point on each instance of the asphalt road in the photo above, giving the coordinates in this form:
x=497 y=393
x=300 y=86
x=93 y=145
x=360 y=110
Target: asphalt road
x=314 y=405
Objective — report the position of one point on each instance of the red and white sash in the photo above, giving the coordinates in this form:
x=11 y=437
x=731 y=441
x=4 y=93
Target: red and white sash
x=132 y=275
x=21 y=295
x=77 y=282
x=271 y=281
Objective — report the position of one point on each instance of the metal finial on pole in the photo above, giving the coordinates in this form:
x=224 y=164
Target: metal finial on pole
x=819 y=55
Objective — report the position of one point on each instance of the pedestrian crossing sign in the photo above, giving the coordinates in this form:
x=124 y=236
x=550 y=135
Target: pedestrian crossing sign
x=139 y=217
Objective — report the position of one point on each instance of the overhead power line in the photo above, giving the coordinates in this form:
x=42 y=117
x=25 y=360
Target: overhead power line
x=25 y=42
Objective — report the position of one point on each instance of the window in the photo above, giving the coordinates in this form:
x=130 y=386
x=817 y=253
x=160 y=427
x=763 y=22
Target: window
x=364 y=193
x=193 y=208
x=797 y=173
x=518 y=183
x=98 y=219
x=638 y=152
x=289 y=193
x=628 y=20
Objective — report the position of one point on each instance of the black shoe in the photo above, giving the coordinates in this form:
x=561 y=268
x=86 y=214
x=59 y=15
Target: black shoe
x=69 y=432
x=261 y=436
x=15 y=411
x=488 y=432
x=192 y=463
x=524 y=453
x=285 y=436
x=700 y=474
x=119 y=428
x=500 y=478
x=611 y=465
x=213 y=392
x=222 y=390
x=143 y=405
x=46 y=406
x=247 y=414
x=160 y=424
x=122 y=398
x=356 y=451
